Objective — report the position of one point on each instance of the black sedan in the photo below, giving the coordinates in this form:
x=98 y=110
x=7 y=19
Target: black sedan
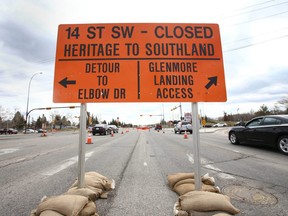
x=101 y=129
x=264 y=130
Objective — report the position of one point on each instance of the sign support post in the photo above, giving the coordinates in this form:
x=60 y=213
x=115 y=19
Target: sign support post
x=82 y=136
x=197 y=162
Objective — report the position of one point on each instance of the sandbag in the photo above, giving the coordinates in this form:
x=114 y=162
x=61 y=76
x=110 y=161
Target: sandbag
x=89 y=210
x=184 y=181
x=174 y=178
x=108 y=184
x=86 y=192
x=72 y=205
x=98 y=183
x=221 y=214
x=208 y=180
x=178 y=212
x=50 y=213
x=187 y=185
x=204 y=201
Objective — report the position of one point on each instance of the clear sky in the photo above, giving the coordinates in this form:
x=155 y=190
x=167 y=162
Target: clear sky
x=254 y=36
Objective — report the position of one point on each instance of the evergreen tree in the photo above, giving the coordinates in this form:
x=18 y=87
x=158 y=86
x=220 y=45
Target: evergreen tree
x=263 y=110
x=18 y=121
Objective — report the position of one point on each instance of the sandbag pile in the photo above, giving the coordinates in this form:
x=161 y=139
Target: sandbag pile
x=77 y=201
x=74 y=205
x=195 y=202
x=183 y=183
x=96 y=182
x=207 y=202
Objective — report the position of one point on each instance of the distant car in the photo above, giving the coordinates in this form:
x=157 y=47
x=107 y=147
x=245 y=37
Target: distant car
x=264 y=130
x=8 y=131
x=183 y=126
x=29 y=131
x=12 y=131
x=114 y=128
x=101 y=129
x=41 y=131
x=158 y=127
x=220 y=124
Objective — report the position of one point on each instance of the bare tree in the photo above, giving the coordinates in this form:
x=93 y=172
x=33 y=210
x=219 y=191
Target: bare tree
x=284 y=102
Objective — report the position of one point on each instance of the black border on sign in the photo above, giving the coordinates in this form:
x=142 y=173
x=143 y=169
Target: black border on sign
x=138 y=78
x=119 y=59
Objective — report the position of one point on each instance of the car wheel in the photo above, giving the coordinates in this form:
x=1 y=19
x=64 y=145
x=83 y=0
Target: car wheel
x=283 y=144
x=190 y=132
x=233 y=138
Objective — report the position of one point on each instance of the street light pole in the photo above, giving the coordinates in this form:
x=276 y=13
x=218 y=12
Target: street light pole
x=28 y=99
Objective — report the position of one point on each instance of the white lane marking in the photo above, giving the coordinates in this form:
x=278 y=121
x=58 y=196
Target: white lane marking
x=8 y=151
x=190 y=158
x=236 y=151
x=65 y=165
x=203 y=160
x=87 y=155
x=211 y=167
x=225 y=176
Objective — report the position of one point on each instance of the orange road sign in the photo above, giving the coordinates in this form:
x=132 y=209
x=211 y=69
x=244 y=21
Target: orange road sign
x=143 y=62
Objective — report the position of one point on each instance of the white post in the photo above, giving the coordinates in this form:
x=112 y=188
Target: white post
x=196 y=139
x=82 y=136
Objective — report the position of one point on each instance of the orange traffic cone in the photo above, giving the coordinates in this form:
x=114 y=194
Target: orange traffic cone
x=112 y=134
x=122 y=132
x=89 y=139
x=43 y=134
x=185 y=135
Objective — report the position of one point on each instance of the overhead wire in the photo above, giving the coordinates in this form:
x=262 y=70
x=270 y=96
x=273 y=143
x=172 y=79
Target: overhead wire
x=255 y=43
x=51 y=59
x=253 y=20
x=257 y=9
x=249 y=38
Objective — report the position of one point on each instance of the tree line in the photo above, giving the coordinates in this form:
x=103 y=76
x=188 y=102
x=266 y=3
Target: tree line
x=17 y=120
x=263 y=110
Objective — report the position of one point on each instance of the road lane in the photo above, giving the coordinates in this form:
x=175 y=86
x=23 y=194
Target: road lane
x=139 y=162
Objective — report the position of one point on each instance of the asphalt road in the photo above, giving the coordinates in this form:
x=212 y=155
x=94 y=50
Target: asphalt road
x=139 y=161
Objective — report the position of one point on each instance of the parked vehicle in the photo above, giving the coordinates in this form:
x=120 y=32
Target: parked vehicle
x=114 y=128
x=264 y=130
x=220 y=124
x=41 y=131
x=183 y=126
x=29 y=131
x=101 y=129
x=8 y=131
